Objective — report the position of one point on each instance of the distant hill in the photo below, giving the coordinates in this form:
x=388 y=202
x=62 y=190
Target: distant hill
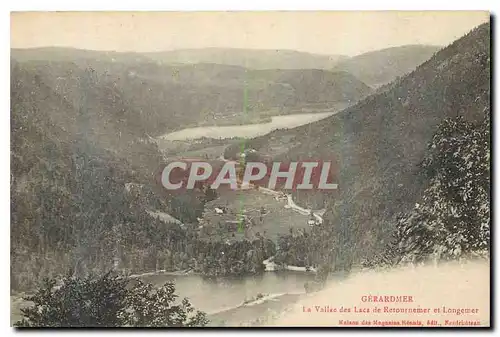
x=160 y=98
x=66 y=54
x=382 y=66
x=249 y=58
x=380 y=143
x=80 y=104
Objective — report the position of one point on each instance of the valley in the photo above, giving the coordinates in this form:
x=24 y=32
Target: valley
x=407 y=127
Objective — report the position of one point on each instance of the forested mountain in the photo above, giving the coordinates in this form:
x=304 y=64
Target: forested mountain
x=380 y=145
x=80 y=208
x=452 y=218
x=83 y=161
x=70 y=209
x=83 y=185
x=379 y=67
x=159 y=98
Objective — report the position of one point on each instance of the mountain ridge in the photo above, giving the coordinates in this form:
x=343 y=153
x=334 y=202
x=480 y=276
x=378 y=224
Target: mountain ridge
x=382 y=66
x=162 y=98
x=380 y=142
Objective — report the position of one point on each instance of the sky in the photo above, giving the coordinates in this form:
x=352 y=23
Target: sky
x=325 y=32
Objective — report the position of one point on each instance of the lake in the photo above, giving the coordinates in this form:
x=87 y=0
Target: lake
x=248 y=130
x=222 y=299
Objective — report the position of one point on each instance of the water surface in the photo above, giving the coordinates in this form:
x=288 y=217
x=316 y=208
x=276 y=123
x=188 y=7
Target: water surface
x=248 y=130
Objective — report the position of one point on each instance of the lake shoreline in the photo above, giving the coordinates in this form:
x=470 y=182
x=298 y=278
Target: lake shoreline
x=270 y=267
x=259 y=119
x=246 y=130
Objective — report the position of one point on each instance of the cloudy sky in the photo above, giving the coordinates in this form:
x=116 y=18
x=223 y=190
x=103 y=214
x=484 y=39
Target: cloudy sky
x=347 y=33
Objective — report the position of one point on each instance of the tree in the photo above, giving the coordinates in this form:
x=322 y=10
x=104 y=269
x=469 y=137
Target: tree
x=108 y=301
x=155 y=307
x=452 y=220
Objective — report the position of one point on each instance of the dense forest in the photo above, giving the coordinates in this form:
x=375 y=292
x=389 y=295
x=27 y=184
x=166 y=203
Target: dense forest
x=154 y=99
x=81 y=197
x=414 y=171
x=450 y=221
x=381 y=144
